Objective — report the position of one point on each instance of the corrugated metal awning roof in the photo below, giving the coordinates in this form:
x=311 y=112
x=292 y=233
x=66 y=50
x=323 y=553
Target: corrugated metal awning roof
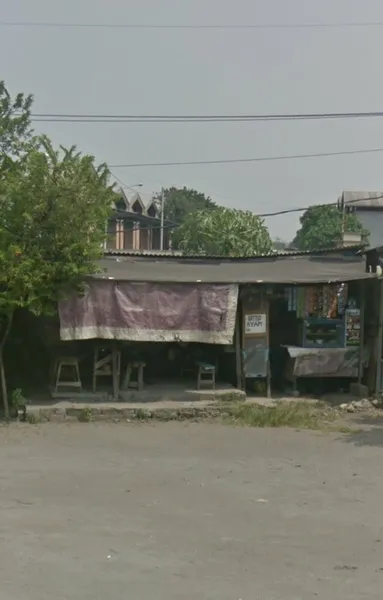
x=356 y=249
x=152 y=253
x=287 y=269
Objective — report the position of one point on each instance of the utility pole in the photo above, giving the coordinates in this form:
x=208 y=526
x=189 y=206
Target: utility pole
x=162 y=219
x=342 y=209
x=343 y=219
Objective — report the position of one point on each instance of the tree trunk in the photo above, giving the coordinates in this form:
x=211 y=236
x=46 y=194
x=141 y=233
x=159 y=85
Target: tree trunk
x=2 y=370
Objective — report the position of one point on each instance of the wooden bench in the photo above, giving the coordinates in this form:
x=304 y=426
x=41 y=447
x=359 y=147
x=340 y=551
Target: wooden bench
x=206 y=375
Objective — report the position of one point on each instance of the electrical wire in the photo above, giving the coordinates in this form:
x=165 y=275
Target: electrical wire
x=338 y=25
x=295 y=210
x=173 y=225
x=287 y=210
x=246 y=160
x=124 y=185
x=233 y=118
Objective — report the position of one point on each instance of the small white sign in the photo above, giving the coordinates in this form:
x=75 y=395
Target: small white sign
x=255 y=324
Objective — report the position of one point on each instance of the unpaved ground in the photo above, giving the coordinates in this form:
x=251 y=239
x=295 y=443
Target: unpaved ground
x=198 y=511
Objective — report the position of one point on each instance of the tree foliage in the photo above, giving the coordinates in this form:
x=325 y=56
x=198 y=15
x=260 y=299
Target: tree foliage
x=321 y=228
x=179 y=203
x=53 y=208
x=223 y=232
x=15 y=128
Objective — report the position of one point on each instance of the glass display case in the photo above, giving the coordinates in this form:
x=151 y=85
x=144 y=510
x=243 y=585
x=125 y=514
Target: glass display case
x=322 y=333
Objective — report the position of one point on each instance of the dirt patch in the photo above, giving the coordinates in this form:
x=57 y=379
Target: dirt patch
x=185 y=511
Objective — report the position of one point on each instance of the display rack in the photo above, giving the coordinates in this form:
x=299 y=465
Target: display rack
x=327 y=317
x=322 y=333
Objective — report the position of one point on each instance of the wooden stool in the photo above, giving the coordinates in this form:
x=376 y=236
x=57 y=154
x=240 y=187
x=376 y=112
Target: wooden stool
x=134 y=368
x=68 y=363
x=107 y=363
x=206 y=375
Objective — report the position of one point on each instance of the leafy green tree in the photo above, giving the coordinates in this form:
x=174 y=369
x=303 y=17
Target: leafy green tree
x=180 y=202
x=53 y=210
x=223 y=232
x=321 y=228
x=15 y=127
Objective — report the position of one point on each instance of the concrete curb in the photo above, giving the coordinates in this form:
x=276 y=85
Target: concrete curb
x=91 y=413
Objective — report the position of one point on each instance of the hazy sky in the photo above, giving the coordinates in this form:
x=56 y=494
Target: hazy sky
x=210 y=72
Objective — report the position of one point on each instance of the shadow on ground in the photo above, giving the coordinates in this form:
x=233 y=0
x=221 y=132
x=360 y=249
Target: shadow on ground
x=368 y=431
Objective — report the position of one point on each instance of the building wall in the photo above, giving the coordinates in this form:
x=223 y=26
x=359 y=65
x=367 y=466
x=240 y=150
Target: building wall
x=136 y=237
x=144 y=239
x=372 y=220
x=127 y=235
x=156 y=239
x=119 y=235
x=111 y=235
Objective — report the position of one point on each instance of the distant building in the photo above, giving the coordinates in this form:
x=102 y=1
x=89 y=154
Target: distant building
x=136 y=225
x=368 y=207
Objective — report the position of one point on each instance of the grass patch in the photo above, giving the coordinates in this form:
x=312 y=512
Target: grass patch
x=298 y=415
x=141 y=415
x=32 y=419
x=85 y=415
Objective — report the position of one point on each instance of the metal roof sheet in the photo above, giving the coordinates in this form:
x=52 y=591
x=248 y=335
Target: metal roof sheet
x=363 y=199
x=272 y=269
x=177 y=253
x=153 y=253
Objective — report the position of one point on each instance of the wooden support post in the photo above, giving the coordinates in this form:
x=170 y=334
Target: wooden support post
x=379 y=339
x=115 y=371
x=268 y=379
x=238 y=351
x=140 y=377
x=362 y=292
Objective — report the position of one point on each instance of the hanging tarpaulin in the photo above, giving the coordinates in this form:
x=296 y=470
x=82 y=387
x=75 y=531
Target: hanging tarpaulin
x=151 y=312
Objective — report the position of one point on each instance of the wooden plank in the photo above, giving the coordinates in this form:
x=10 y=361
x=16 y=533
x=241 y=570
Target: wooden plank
x=115 y=371
x=379 y=339
x=238 y=351
x=268 y=379
x=362 y=321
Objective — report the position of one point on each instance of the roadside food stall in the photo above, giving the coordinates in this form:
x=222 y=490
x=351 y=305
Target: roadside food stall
x=330 y=328
x=307 y=306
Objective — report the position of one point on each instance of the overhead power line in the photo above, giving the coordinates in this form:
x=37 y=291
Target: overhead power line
x=285 y=211
x=246 y=160
x=295 y=210
x=118 y=118
x=277 y=213
x=172 y=225
x=338 y=25
x=132 y=188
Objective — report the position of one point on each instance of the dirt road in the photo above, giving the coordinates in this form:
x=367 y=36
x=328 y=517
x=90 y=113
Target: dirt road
x=186 y=512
